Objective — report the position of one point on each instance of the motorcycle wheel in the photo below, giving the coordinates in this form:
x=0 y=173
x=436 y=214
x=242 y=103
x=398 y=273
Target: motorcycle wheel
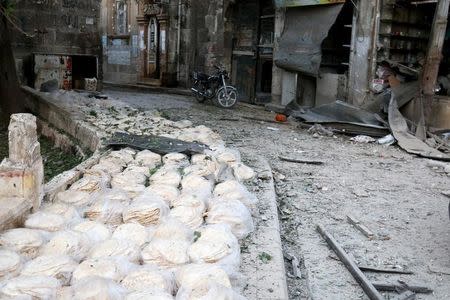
x=225 y=101
x=198 y=97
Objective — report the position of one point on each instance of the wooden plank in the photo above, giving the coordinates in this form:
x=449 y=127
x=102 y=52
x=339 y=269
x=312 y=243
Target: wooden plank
x=301 y=161
x=399 y=287
x=361 y=227
x=383 y=270
x=366 y=285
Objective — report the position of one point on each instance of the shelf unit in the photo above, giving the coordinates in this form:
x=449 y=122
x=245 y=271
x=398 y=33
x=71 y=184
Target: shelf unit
x=404 y=31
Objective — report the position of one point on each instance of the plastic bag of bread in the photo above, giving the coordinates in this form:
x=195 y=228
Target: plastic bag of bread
x=10 y=264
x=234 y=190
x=148 y=277
x=197 y=185
x=105 y=211
x=96 y=288
x=233 y=213
x=134 y=232
x=35 y=287
x=60 y=267
x=90 y=184
x=78 y=199
x=203 y=165
x=216 y=244
x=105 y=267
x=96 y=232
x=208 y=291
x=24 y=241
x=148 y=159
x=196 y=201
x=125 y=156
x=166 y=175
x=191 y=275
x=188 y=215
x=172 y=228
x=141 y=170
x=117 y=248
x=108 y=166
x=147 y=209
x=68 y=212
x=166 y=253
x=69 y=242
x=127 y=177
x=167 y=192
x=113 y=195
x=150 y=294
x=227 y=155
x=243 y=172
x=176 y=159
x=133 y=190
x=45 y=221
x=200 y=158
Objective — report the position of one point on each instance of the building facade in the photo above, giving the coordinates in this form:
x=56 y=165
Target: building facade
x=57 y=40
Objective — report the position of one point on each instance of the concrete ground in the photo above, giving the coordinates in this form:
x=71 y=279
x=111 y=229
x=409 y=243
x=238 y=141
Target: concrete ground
x=396 y=195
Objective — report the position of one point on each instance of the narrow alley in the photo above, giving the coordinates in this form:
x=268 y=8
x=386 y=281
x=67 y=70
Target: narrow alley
x=225 y=150
x=398 y=196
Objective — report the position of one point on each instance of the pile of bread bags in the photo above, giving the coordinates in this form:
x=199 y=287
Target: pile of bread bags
x=137 y=226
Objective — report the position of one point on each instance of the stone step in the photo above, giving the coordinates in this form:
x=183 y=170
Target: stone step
x=14 y=212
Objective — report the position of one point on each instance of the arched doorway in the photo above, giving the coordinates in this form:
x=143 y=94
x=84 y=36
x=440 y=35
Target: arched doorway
x=153 y=49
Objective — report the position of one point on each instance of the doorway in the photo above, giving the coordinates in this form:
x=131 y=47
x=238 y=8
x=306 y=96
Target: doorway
x=153 y=51
x=252 y=49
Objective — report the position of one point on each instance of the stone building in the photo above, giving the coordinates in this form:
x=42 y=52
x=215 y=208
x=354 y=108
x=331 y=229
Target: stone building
x=58 y=39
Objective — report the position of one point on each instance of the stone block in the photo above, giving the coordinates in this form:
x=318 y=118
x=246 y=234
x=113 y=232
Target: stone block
x=13 y=213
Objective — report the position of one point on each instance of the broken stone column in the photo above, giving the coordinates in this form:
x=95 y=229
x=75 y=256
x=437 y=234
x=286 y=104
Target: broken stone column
x=22 y=173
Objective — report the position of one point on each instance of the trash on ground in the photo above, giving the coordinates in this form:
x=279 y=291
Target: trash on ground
x=364 y=139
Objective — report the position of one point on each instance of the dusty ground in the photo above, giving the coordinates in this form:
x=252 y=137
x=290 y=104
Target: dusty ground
x=393 y=193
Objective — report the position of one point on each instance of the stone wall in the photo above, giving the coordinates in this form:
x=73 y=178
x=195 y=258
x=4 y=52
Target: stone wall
x=63 y=27
x=202 y=42
x=22 y=173
x=120 y=52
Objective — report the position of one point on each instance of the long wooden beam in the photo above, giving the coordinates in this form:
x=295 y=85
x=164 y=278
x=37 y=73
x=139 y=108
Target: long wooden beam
x=365 y=283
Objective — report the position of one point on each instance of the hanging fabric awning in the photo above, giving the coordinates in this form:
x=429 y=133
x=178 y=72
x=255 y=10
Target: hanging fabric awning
x=304 y=31
x=295 y=3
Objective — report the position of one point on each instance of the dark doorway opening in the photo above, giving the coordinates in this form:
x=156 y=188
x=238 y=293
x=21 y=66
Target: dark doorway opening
x=83 y=66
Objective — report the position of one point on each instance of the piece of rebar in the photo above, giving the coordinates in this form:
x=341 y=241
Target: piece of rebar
x=366 y=285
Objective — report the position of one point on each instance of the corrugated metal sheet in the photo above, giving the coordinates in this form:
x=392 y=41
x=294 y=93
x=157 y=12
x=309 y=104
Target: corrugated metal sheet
x=304 y=31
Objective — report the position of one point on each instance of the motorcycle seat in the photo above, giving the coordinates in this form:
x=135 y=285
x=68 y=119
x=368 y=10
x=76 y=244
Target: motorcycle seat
x=202 y=76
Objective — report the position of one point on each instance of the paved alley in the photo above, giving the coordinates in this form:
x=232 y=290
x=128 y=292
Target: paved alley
x=396 y=195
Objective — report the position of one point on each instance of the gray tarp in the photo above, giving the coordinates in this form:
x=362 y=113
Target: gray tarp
x=157 y=144
x=343 y=117
x=406 y=140
x=304 y=31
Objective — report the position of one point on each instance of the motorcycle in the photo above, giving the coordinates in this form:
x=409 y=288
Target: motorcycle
x=215 y=88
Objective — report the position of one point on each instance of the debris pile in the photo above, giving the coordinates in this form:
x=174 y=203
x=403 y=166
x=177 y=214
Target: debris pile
x=138 y=225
